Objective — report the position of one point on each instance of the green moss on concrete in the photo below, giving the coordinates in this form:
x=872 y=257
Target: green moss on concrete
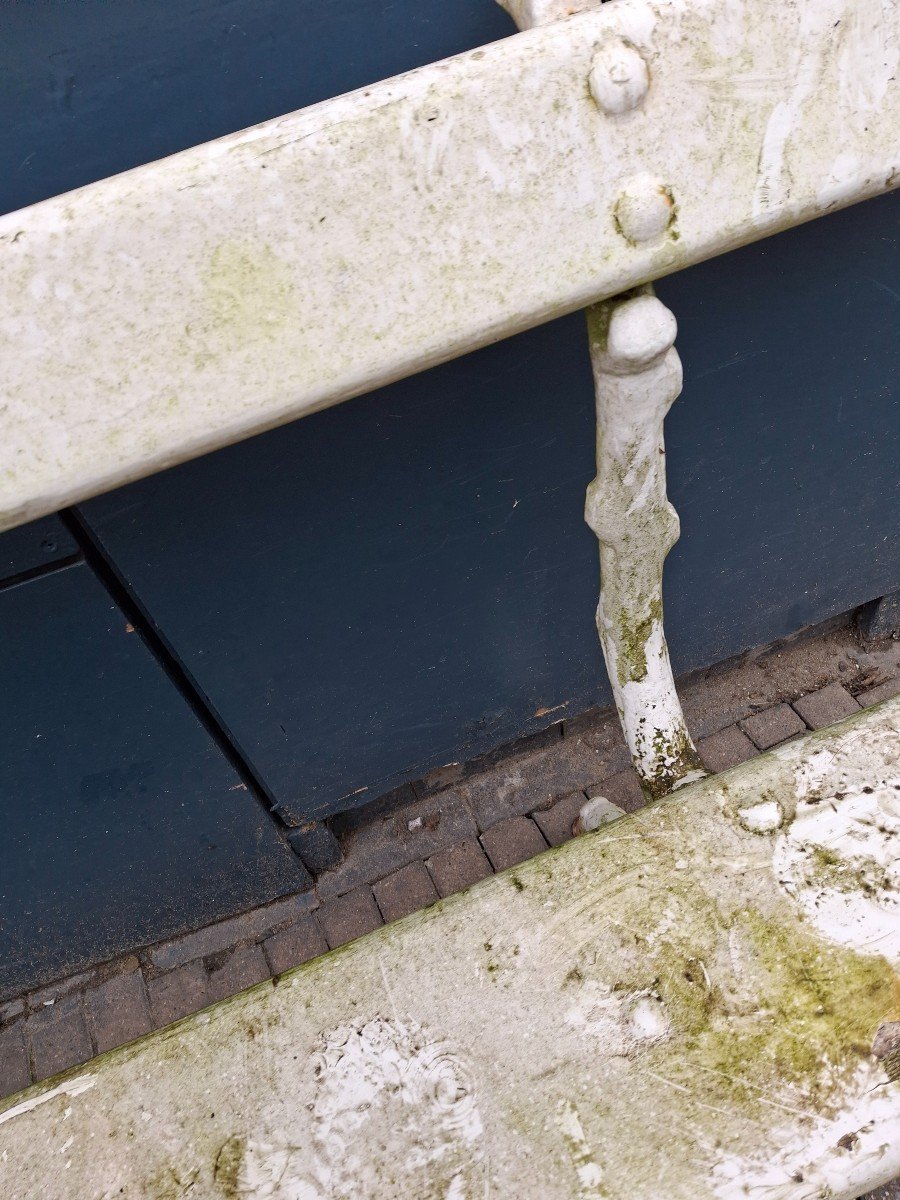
x=815 y=1011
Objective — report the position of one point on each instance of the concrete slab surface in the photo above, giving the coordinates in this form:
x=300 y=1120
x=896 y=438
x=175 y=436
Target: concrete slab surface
x=700 y=1000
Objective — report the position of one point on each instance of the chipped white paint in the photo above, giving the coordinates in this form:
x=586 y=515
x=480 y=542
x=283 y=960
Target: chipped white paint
x=840 y=856
x=644 y=213
x=637 y=376
x=648 y=1011
x=73 y=1087
x=588 y=1171
x=764 y=817
x=529 y=13
x=618 y=1021
x=861 y=47
x=841 y=1156
x=194 y=301
x=619 y=77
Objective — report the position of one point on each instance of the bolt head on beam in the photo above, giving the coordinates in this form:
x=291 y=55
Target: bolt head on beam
x=619 y=78
x=645 y=210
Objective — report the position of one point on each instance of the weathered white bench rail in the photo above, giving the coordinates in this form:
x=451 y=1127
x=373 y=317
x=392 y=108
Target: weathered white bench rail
x=700 y=1002
x=194 y=301
x=703 y=1001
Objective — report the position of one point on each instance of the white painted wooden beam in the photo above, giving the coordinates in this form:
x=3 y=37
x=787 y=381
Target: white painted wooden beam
x=698 y=1002
x=194 y=301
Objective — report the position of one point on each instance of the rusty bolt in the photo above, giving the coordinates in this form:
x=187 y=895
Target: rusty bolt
x=619 y=78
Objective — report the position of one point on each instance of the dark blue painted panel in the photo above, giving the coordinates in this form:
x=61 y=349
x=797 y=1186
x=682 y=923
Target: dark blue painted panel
x=93 y=88
x=406 y=579
x=376 y=586
x=784 y=454
x=34 y=546
x=122 y=822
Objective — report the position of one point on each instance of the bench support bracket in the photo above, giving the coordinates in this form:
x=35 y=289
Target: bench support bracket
x=637 y=376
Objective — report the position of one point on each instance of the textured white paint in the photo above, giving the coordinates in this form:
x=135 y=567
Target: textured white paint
x=388 y=1100
x=620 y=1022
x=589 y=1173
x=840 y=856
x=73 y=1087
x=619 y=77
x=764 y=817
x=194 y=301
x=838 y=1158
x=529 y=13
x=637 y=376
x=645 y=1012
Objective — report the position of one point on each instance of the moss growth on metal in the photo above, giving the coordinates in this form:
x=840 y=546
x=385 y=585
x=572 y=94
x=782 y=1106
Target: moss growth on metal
x=634 y=632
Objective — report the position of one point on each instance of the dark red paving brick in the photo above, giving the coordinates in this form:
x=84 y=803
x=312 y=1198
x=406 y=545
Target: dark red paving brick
x=248 y=927
x=235 y=971
x=725 y=749
x=398 y=837
x=522 y=785
x=14 y=1071
x=882 y=691
x=512 y=841
x=58 y=1036
x=459 y=867
x=349 y=916
x=295 y=945
x=404 y=892
x=118 y=1010
x=178 y=993
x=826 y=706
x=773 y=725
x=389 y=839
x=556 y=822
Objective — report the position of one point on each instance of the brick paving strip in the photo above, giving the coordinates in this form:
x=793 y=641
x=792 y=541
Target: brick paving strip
x=438 y=836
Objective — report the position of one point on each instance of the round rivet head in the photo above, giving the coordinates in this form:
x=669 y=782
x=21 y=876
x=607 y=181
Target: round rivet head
x=619 y=78
x=640 y=330
x=645 y=210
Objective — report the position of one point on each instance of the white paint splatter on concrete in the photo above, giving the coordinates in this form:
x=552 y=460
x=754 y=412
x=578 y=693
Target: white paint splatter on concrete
x=765 y=817
x=856 y=1150
x=587 y=1169
x=840 y=857
x=395 y=1113
x=73 y=1087
x=622 y=1021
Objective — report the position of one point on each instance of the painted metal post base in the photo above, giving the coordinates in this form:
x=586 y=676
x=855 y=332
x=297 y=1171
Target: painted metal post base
x=637 y=376
x=697 y=1002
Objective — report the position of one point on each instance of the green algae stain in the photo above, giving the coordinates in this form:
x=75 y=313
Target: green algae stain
x=634 y=633
x=174 y=1181
x=228 y=1167
x=815 y=1010
x=760 y=1009
x=248 y=291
